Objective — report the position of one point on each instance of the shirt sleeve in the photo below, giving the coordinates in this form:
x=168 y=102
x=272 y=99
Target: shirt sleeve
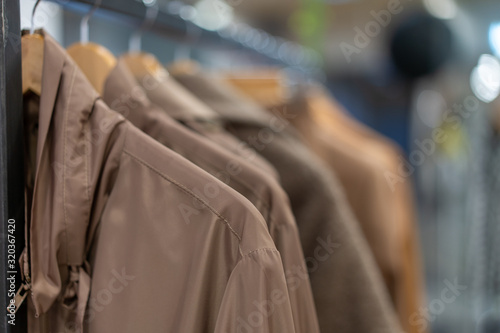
x=256 y=297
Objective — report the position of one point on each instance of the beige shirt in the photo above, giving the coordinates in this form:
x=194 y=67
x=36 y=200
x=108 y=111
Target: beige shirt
x=348 y=290
x=123 y=93
x=123 y=237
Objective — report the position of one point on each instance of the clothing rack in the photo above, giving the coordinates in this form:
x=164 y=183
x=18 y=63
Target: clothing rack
x=175 y=21
x=11 y=160
x=171 y=22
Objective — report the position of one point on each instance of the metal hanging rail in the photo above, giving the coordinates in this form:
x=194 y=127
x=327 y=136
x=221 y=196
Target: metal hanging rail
x=175 y=20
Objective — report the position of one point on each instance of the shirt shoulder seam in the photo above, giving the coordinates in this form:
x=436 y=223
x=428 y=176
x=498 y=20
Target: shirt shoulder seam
x=185 y=190
x=241 y=182
x=263 y=249
x=248 y=255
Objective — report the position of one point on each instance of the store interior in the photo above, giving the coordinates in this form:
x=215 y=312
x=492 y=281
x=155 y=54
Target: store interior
x=424 y=74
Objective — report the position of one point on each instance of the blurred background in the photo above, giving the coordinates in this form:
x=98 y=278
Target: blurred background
x=405 y=68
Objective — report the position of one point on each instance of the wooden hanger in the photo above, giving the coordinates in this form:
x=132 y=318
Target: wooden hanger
x=32 y=50
x=95 y=61
x=266 y=86
x=184 y=67
x=32 y=46
x=143 y=64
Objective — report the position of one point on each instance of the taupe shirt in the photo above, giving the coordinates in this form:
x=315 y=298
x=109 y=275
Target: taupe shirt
x=122 y=93
x=347 y=286
x=184 y=107
x=122 y=237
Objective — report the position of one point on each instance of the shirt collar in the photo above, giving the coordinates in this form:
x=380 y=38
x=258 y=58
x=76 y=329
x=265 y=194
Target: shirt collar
x=53 y=62
x=222 y=98
x=174 y=99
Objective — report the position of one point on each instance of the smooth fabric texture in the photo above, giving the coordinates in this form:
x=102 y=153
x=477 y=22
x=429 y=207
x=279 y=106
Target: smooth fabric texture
x=181 y=105
x=122 y=93
x=120 y=217
x=347 y=286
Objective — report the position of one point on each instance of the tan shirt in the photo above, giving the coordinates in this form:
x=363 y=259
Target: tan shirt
x=347 y=286
x=184 y=107
x=123 y=93
x=394 y=216
x=122 y=240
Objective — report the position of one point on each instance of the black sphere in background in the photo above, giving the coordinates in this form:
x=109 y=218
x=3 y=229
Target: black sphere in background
x=421 y=45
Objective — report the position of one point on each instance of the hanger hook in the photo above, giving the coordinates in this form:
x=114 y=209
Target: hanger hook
x=32 y=28
x=152 y=10
x=193 y=33
x=84 y=24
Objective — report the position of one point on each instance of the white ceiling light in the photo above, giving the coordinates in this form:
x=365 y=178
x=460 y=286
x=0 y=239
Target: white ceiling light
x=485 y=78
x=494 y=37
x=442 y=9
x=213 y=14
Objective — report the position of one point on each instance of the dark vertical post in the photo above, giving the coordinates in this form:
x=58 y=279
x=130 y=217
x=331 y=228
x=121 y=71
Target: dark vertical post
x=11 y=161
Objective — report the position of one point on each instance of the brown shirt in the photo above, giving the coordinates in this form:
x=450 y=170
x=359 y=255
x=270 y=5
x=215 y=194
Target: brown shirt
x=347 y=286
x=122 y=239
x=391 y=224
x=181 y=105
x=122 y=93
